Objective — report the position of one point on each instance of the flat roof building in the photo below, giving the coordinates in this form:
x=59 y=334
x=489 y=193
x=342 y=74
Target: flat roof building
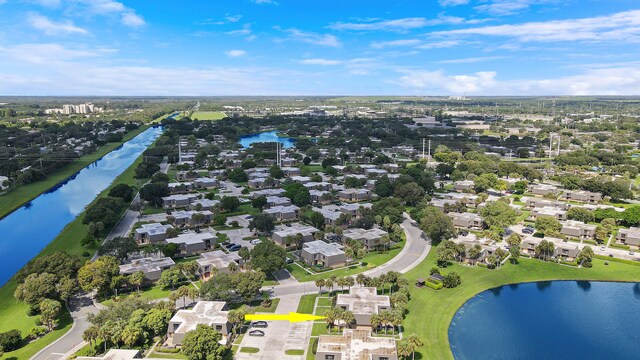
x=210 y=313
x=363 y=302
x=356 y=345
x=151 y=267
x=321 y=254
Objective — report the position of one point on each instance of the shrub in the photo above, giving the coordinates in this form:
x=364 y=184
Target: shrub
x=36 y=332
x=10 y=340
x=434 y=285
x=451 y=280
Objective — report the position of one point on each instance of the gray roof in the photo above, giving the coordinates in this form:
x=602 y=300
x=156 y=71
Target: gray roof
x=321 y=247
x=146 y=265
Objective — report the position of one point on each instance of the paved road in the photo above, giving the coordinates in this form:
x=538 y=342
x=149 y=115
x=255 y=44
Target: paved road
x=80 y=306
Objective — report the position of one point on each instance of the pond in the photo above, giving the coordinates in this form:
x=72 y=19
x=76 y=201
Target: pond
x=270 y=136
x=550 y=320
x=26 y=231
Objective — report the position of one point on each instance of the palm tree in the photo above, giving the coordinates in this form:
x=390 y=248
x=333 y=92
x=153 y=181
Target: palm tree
x=184 y=292
x=91 y=334
x=376 y=322
x=137 y=279
x=320 y=283
x=347 y=318
x=349 y=281
x=361 y=279
x=330 y=317
x=233 y=266
x=405 y=349
x=416 y=343
x=236 y=318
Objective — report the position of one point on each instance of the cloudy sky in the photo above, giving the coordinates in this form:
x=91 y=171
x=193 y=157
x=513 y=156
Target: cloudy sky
x=319 y=47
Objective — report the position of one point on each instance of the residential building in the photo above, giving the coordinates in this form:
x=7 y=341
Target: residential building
x=205 y=183
x=370 y=238
x=290 y=171
x=205 y=204
x=300 y=179
x=566 y=251
x=267 y=193
x=186 y=175
x=277 y=201
x=193 y=243
x=283 y=213
x=210 y=313
x=581 y=196
x=629 y=236
x=282 y=232
x=440 y=203
x=354 y=195
x=528 y=245
x=180 y=187
x=466 y=220
x=542 y=189
x=375 y=173
x=178 y=200
x=560 y=215
x=363 y=302
x=190 y=218
x=151 y=233
x=578 y=229
x=321 y=254
x=219 y=260
x=115 y=354
x=467 y=199
x=151 y=267
x=355 y=210
x=320 y=196
x=356 y=345
x=532 y=202
x=463 y=186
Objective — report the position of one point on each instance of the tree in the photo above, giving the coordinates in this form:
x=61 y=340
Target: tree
x=276 y=172
x=237 y=175
x=498 y=214
x=245 y=254
x=514 y=250
x=580 y=214
x=97 y=275
x=132 y=334
x=474 y=252
x=58 y=263
x=383 y=187
x=545 y=249
x=154 y=192
x=514 y=239
x=91 y=334
x=585 y=256
x=632 y=215
x=451 y=280
x=157 y=320
x=259 y=203
x=484 y=182
x=229 y=203
x=123 y=191
x=268 y=257
x=170 y=278
x=405 y=349
x=219 y=287
x=320 y=284
x=317 y=219
x=547 y=225
x=298 y=194
x=203 y=344
x=36 y=288
x=601 y=234
x=106 y=210
x=416 y=343
x=119 y=247
x=49 y=310
x=262 y=222
x=236 y=317
x=137 y=279
x=10 y=340
x=247 y=285
x=436 y=224
x=410 y=193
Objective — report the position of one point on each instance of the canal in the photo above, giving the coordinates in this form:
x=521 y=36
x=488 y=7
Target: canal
x=26 y=231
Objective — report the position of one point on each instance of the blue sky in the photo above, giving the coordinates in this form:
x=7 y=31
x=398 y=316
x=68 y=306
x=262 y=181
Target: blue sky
x=320 y=47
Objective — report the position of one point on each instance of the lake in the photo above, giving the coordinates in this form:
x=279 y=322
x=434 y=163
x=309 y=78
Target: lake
x=270 y=136
x=26 y=231
x=550 y=320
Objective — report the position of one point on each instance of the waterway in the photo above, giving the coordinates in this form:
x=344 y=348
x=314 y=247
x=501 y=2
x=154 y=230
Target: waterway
x=26 y=231
x=550 y=320
x=270 y=136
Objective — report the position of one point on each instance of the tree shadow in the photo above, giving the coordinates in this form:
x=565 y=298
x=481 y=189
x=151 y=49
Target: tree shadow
x=543 y=285
x=584 y=285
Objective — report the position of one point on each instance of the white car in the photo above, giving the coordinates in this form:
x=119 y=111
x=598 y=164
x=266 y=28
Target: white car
x=602 y=248
x=255 y=241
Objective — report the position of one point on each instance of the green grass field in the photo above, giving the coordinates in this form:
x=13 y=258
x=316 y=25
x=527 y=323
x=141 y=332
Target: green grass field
x=25 y=193
x=208 y=115
x=431 y=312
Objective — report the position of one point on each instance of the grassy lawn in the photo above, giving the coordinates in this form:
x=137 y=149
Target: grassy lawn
x=160 y=355
x=431 y=312
x=325 y=301
x=25 y=193
x=64 y=324
x=249 y=350
x=306 y=304
x=294 y=352
x=372 y=259
x=14 y=314
x=208 y=115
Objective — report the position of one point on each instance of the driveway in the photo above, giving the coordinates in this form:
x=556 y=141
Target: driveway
x=237 y=236
x=80 y=307
x=279 y=335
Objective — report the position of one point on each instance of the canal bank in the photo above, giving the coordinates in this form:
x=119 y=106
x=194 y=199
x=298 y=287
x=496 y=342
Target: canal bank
x=14 y=314
x=26 y=193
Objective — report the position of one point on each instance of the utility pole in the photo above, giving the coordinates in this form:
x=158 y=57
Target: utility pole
x=550 y=144
x=423 y=143
x=429 y=150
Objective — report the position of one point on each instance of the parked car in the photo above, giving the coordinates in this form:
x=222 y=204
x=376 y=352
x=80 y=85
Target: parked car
x=230 y=245
x=527 y=231
x=288 y=261
x=255 y=241
x=235 y=247
x=602 y=248
x=256 y=333
x=225 y=243
x=631 y=252
x=259 y=324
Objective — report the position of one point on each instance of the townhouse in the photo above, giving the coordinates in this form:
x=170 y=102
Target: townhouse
x=217 y=260
x=464 y=186
x=578 y=230
x=354 y=195
x=542 y=189
x=210 y=313
x=560 y=215
x=629 y=236
x=283 y=213
x=151 y=267
x=192 y=243
x=151 y=233
x=178 y=200
x=321 y=254
x=363 y=302
x=467 y=220
x=356 y=345
x=282 y=232
x=581 y=196
x=370 y=238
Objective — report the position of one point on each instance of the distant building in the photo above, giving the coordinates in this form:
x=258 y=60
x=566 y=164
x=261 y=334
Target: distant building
x=151 y=233
x=363 y=302
x=152 y=268
x=283 y=213
x=629 y=236
x=354 y=195
x=581 y=196
x=578 y=230
x=192 y=243
x=210 y=313
x=321 y=254
x=370 y=238
x=219 y=260
x=282 y=232
x=467 y=220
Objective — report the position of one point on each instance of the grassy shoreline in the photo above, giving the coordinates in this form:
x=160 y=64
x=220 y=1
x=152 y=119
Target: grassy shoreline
x=14 y=314
x=25 y=193
x=431 y=312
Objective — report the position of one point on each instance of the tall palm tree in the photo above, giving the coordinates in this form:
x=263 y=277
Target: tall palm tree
x=376 y=322
x=330 y=318
x=416 y=343
x=347 y=318
x=405 y=349
x=361 y=279
x=349 y=281
x=320 y=283
x=91 y=334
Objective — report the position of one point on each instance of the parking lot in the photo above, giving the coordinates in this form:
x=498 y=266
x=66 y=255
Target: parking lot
x=279 y=335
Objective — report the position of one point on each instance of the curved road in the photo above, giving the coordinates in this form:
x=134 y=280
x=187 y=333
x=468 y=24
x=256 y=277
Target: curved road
x=416 y=249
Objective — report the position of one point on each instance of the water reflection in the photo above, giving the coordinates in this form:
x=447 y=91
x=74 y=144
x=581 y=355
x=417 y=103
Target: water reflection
x=270 y=136
x=584 y=285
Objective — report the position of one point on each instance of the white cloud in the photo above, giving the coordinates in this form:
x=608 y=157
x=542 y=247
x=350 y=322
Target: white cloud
x=272 y=2
x=235 y=53
x=49 y=53
x=132 y=20
x=622 y=27
x=45 y=3
x=471 y=60
x=509 y=7
x=310 y=37
x=233 y=18
x=394 y=43
x=245 y=31
x=440 y=44
x=403 y=24
x=453 y=2
x=324 y=62
x=50 y=27
x=623 y=80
